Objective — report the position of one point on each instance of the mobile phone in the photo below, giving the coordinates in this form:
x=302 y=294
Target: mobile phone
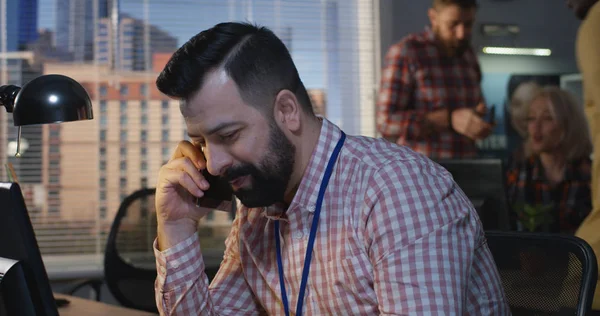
x=492 y=114
x=220 y=190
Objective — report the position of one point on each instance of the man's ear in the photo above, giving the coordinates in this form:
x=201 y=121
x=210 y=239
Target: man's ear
x=287 y=111
x=432 y=14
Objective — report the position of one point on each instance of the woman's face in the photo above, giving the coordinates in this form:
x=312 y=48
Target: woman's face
x=545 y=134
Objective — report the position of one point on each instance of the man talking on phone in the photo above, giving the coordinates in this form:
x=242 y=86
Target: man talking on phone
x=430 y=97
x=330 y=224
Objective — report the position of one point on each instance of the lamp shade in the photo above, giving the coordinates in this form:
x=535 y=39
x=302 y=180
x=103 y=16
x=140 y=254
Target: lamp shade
x=51 y=99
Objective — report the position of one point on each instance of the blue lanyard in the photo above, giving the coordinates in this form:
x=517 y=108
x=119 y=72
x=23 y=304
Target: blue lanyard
x=311 y=238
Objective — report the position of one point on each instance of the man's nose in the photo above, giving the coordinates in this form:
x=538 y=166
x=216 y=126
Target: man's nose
x=217 y=159
x=460 y=32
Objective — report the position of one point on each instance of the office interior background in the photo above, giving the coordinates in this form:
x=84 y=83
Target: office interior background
x=74 y=176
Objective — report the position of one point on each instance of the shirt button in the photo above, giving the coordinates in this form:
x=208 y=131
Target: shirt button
x=298 y=235
x=175 y=264
x=311 y=208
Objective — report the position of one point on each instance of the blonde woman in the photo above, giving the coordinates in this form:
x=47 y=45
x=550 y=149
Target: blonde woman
x=549 y=188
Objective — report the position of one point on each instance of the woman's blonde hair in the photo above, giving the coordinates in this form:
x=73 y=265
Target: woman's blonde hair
x=568 y=113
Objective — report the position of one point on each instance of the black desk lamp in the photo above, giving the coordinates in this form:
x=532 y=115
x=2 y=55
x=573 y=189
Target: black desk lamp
x=44 y=100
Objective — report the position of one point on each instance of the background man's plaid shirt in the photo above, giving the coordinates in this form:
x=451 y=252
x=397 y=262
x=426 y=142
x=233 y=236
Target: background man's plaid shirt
x=396 y=236
x=571 y=199
x=419 y=78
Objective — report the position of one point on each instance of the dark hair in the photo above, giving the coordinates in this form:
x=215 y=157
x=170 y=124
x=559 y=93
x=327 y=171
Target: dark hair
x=464 y=4
x=254 y=57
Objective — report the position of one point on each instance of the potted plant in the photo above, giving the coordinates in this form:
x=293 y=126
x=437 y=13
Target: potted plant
x=534 y=218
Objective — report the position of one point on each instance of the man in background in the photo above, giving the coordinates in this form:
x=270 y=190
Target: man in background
x=588 y=59
x=430 y=97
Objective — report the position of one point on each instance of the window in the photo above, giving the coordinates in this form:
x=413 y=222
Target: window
x=123 y=119
x=144 y=136
x=102 y=151
x=123 y=151
x=334 y=46
x=144 y=89
x=122 y=182
x=54 y=149
x=103 y=91
x=144 y=182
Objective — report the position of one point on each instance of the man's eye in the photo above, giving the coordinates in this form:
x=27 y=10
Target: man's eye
x=228 y=136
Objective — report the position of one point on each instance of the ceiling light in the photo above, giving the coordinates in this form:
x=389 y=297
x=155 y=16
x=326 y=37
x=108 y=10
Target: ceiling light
x=517 y=51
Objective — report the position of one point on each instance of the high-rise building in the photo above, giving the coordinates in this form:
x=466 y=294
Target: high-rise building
x=138 y=42
x=28 y=22
x=11 y=24
x=19 y=71
x=134 y=131
x=74 y=26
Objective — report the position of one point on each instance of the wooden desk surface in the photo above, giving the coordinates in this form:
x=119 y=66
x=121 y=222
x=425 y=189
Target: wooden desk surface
x=80 y=306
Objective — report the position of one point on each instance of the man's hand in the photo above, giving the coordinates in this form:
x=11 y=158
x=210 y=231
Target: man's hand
x=179 y=184
x=469 y=122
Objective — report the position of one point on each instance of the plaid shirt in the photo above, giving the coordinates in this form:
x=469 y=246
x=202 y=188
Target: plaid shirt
x=419 y=78
x=567 y=203
x=396 y=236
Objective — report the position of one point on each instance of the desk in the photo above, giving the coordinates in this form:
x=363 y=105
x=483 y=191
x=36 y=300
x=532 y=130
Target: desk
x=80 y=306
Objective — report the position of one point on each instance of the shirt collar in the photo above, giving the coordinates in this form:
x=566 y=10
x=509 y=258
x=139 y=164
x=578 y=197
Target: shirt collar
x=308 y=190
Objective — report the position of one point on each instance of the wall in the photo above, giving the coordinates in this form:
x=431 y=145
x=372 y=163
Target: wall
x=544 y=24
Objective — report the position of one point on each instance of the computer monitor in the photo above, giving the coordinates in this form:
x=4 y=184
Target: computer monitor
x=18 y=242
x=482 y=181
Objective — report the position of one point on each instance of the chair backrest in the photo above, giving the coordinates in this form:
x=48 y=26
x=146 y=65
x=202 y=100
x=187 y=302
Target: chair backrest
x=545 y=274
x=129 y=263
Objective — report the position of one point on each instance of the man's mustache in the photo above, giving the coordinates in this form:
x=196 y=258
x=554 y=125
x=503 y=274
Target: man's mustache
x=235 y=172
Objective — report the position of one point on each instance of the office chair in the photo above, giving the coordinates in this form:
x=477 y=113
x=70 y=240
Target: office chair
x=129 y=263
x=545 y=274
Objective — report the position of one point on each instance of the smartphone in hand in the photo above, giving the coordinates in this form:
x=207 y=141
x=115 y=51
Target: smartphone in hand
x=220 y=190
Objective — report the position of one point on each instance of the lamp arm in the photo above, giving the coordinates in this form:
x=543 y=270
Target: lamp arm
x=8 y=93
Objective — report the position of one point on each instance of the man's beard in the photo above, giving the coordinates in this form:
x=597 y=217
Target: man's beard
x=452 y=48
x=268 y=180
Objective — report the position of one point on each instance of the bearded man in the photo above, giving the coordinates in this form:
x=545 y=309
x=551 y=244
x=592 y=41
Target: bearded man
x=430 y=96
x=329 y=224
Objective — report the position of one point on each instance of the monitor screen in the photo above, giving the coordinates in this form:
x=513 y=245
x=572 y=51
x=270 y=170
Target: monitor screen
x=18 y=242
x=482 y=181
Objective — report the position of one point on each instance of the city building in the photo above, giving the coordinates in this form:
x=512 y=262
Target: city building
x=138 y=42
x=28 y=22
